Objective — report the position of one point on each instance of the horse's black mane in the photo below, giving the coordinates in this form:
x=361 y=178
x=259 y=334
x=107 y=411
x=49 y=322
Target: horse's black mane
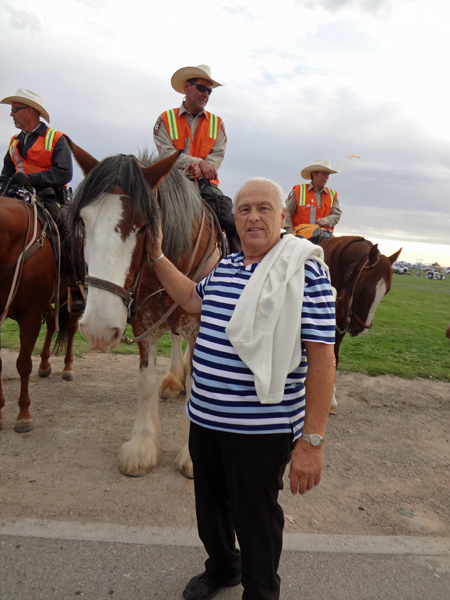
x=179 y=202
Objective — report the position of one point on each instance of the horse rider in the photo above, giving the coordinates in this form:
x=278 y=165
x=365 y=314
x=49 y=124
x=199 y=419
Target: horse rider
x=313 y=203
x=202 y=138
x=40 y=157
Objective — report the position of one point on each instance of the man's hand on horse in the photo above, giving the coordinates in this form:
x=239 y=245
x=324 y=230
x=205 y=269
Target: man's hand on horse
x=19 y=180
x=194 y=171
x=208 y=171
x=152 y=246
x=321 y=223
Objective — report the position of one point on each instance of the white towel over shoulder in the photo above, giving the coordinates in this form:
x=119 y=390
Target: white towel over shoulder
x=266 y=324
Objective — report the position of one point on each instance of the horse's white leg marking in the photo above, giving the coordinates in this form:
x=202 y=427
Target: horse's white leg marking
x=183 y=460
x=141 y=453
x=173 y=382
x=380 y=292
x=108 y=257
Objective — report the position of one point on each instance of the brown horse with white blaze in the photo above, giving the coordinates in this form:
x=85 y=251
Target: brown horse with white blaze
x=361 y=276
x=119 y=205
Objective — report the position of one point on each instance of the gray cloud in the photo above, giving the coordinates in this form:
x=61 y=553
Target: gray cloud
x=372 y=7
x=22 y=19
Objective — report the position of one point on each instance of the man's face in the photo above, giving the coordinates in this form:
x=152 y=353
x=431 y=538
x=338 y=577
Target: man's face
x=195 y=99
x=21 y=117
x=319 y=179
x=258 y=218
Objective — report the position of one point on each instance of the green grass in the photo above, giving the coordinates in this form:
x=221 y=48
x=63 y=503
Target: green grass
x=10 y=339
x=407 y=338
x=408 y=334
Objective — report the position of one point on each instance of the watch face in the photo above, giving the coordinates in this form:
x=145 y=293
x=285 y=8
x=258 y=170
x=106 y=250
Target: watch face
x=315 y=439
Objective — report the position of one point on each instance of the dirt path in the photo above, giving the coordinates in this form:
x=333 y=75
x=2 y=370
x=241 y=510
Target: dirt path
x=387 y=455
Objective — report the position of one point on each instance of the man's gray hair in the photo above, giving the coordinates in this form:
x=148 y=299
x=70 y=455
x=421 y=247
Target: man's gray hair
x=278 y=190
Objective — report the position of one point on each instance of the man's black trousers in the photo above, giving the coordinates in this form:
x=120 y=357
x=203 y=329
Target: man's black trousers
x=237 y=479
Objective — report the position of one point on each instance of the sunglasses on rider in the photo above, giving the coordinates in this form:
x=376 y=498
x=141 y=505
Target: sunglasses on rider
x=15 y=109
x=203 y=88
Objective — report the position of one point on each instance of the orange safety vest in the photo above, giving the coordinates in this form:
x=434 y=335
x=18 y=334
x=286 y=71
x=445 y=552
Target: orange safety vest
x=307 y=211
x=39 y=157
x=205 y=135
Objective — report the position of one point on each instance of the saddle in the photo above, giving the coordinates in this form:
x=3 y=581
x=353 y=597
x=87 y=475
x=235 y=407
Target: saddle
x=313 y=233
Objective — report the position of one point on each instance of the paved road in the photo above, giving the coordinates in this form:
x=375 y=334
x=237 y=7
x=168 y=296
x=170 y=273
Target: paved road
x=53 y=560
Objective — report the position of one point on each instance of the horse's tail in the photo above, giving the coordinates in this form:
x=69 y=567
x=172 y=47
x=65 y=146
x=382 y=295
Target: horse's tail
x=60 y=345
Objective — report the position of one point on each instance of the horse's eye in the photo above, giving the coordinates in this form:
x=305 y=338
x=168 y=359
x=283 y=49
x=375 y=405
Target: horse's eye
x=142 y=229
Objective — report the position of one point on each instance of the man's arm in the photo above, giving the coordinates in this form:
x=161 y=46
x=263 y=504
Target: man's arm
x=307 y=460
x=7 y=172
x=333 y=218
x=61 y=170
x=179 y=287
x=291 y=207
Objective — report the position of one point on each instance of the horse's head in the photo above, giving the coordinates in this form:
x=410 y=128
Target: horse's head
x=113 y=210
x=372 y=281
x=361 y=276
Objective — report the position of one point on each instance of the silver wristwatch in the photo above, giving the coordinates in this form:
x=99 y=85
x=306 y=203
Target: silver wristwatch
x=313 y=438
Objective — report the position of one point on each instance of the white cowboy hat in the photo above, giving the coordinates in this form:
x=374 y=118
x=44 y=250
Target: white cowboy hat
x=318 y=165
x=30 y=99
x=180 y=77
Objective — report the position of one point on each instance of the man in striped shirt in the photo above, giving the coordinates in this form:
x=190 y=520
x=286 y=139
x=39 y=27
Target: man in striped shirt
x=241 y=439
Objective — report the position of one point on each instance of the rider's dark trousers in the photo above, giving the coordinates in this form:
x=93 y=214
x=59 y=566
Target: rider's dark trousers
x=237 y=478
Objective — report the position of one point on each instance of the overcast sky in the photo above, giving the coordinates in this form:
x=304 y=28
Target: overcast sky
x=304 y=80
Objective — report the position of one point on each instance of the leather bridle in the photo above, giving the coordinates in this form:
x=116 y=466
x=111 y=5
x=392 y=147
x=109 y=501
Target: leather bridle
x=208 y=261
x=348 y=304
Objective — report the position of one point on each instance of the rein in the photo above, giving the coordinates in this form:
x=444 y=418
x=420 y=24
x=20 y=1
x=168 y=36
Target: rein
x=348 y=305
x=29 y=250
x=208 y=260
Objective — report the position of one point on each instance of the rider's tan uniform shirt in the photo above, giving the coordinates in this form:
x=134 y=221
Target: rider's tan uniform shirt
x=291 y=206
x=165 y=145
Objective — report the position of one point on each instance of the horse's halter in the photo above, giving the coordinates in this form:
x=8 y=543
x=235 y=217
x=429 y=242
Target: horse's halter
x=343 y=296
x=129 y=295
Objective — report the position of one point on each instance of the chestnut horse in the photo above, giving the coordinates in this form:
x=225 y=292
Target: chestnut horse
x=118 y=205
x=361 y=276
x=27 y=288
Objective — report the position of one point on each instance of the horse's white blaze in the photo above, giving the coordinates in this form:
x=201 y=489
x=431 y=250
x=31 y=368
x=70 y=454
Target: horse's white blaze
x=379 y=293
x=108 y=257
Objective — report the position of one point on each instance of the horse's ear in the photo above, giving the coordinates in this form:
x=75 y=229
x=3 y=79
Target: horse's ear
x=85 y=160
x=373 y=254
x=394 y=257
x=155 y=174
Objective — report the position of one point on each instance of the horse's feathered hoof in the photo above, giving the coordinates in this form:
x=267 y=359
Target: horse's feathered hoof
x=131 y=474
x=186 y=474
x=23 y=426
x=333 y=410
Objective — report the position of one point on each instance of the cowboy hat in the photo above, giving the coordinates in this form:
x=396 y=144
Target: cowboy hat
x=30 y=99
x=180 y=77
x=318 y=165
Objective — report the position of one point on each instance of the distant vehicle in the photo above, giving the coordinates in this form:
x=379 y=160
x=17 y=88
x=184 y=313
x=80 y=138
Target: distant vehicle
x=435 y=275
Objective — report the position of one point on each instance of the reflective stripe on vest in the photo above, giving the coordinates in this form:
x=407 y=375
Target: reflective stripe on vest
x=332 y=195
x=49 y=139
x=16 y=156
x=302 y=194
x=213 y=126
x=173 y=129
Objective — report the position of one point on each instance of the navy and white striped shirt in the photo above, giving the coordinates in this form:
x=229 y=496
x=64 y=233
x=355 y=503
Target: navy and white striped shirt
x=223 y=393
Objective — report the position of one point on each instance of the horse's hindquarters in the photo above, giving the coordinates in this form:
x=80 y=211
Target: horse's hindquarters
x=104 y=320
